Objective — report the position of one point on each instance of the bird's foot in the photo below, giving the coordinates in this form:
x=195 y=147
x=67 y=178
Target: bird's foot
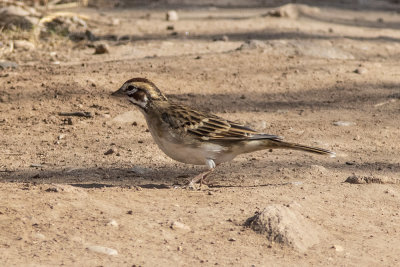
x=200 y=178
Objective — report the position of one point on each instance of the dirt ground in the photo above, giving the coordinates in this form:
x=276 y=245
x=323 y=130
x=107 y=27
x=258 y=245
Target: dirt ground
x=328 y=77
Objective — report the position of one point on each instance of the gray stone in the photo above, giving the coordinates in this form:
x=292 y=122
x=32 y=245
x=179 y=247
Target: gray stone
x=5 y=64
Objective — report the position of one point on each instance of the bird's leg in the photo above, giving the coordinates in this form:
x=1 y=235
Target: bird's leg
x=202 y=176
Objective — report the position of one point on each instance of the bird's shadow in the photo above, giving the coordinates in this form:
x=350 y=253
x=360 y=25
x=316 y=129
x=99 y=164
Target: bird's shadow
x=91 y=178
x=171 y=176
x=165 y=177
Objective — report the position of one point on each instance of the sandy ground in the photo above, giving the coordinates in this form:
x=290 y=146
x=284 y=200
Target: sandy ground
x=61 y=195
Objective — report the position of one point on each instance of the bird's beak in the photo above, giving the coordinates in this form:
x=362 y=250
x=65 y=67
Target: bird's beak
x=119 y=92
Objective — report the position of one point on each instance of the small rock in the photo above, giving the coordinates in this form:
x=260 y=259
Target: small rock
x=113 y=223
x=343 y=123
x=101 y=49
x=5 y=64
x=287 y=11
x=253 y=44
x=360 y=70
x=297 y=183
x=52 y=189
x=292 y=11
x=39 y=236
x=170 y=27
x=25 y=45
x=232 y=239
x=130 y=212
x=354 y=179
x=286 y=225
x=115 y=22
x=179 y=226
x=172 y=15
x=139 y=170
x=61 y=136
x=109 y=152
x=338 y=248
x=36 y=165
x=223 y=38
x=103 y=250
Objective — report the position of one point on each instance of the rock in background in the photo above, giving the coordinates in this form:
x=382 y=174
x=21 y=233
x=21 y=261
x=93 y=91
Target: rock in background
x=286 y=225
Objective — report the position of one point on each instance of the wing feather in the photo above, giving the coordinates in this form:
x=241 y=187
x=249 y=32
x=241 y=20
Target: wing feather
x=205 y=126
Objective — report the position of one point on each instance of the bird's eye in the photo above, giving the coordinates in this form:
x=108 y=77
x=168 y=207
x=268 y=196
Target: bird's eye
x=131 y=87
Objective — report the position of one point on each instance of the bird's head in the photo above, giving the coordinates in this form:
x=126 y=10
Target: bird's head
x=140 y=92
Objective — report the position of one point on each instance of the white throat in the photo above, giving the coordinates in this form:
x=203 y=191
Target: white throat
x=142 y=104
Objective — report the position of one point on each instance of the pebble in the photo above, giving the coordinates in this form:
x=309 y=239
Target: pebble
x=338 y=248
x=172 y=15
x=360 y=70
x=223 y=38
x=25 y=45
x=39 y=236
x=101 y=49
x=52 y=189
x=5 y=64
x=115 y=22
x=252 y=44
x=109 y=152
x=139 y=170
x=61 y=136
x=343 y=123
x=36 y=165
x=179 y=226
x=113 y=223
x=103 y=250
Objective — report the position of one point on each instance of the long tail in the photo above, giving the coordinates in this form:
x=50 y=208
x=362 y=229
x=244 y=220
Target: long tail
x=286 y=145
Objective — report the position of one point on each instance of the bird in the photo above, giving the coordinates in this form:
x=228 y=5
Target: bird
x=194 y=137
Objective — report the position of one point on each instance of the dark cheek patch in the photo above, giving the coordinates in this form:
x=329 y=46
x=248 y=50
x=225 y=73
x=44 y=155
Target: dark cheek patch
x=138 y=96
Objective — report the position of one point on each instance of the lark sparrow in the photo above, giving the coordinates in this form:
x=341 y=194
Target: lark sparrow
x=196 y=137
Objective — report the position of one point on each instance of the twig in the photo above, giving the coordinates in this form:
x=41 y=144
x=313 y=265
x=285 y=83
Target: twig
x=384 y=103
x=76 y=114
